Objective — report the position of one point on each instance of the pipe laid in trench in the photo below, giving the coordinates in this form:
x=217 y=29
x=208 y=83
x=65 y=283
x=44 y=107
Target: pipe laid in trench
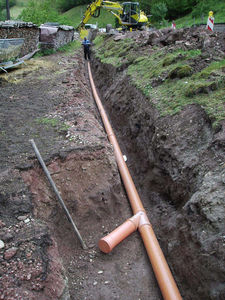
x=160 y=267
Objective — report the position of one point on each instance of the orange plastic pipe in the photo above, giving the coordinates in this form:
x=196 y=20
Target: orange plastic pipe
x=107 y=243
x=162 y=272
x=110 y=241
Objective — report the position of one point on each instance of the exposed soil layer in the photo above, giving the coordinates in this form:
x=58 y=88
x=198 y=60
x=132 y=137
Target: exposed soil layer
x=178 y=164
x=41 y=258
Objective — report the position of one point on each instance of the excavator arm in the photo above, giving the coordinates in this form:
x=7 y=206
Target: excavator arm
x=93 y=10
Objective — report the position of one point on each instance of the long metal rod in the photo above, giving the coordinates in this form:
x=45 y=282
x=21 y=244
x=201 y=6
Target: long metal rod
x=57 y=193
x=161 y=269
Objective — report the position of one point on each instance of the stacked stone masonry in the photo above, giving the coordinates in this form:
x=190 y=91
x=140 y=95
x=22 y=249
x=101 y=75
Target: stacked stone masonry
x=32 y=35
x=60 y=35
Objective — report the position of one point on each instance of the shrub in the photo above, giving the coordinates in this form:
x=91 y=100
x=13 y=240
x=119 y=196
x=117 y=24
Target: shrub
x=202 y=8
x=3 y=4
x=159 y=11
x=40 y=12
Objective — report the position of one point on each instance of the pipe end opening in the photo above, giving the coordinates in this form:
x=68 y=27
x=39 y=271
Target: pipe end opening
x=104 y=246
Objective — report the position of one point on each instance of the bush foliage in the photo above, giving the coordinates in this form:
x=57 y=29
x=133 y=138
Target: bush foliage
x=40 y=12
x=65 y=5
x=178 y=8
x=3 y=3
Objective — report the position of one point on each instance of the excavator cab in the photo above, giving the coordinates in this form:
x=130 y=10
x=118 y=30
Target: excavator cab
x=131 y=13
x=128 y=14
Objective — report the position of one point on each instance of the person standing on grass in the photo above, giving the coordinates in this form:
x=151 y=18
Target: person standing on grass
x=86 y=44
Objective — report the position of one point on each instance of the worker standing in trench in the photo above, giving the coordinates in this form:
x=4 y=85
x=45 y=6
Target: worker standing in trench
x=86 y=44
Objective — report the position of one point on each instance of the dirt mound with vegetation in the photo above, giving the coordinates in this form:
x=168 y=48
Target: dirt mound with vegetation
x=164 y=92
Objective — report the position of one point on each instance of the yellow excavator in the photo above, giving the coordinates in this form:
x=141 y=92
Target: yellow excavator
x=128 y=14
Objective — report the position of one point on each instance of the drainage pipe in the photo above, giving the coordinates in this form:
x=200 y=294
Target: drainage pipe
x=160 y=267
x=57 y=193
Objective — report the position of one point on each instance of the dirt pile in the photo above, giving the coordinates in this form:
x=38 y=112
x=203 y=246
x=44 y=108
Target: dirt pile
x=177 y=161
x=212 y=42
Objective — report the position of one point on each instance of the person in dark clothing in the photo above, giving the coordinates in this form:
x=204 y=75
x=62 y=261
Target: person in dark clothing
x=86 y=44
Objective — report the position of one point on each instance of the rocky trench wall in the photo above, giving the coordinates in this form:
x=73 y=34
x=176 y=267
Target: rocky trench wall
x=177 y=163
x=30 y=34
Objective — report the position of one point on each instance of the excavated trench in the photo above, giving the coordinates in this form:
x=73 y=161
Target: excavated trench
x=172 y=160
x=41 y=258
x=176 y=164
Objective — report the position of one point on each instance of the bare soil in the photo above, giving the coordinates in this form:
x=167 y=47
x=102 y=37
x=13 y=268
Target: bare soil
x=49 y=100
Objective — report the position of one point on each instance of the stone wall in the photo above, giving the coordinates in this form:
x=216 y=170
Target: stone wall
x=17 y=29
x=64 y=37
x=55 y=36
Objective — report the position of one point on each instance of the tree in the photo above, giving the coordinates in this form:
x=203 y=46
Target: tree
x=159 y=11
x=146 y=6
x=65 y=5
x=178 y=8
x=40 y=12
x=7 y=10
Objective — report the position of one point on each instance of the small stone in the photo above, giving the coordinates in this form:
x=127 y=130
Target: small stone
x=7 y=236
x=2 y=244
x=22 y=218
x=2 y=224
x=65 y=81
x=27 y=220
x=28 y=255
x=10 y=253
x=28 y=276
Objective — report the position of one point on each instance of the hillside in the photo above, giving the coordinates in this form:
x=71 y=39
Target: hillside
x=76 y=14
x=201 y=18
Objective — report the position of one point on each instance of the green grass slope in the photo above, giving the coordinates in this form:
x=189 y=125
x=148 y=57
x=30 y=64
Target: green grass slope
x=75 y=15
x=168 y=79
x=189 y=20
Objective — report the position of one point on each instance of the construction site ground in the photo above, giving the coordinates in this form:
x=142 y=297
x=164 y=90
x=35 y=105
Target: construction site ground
x=49 y=100
x=177 y=163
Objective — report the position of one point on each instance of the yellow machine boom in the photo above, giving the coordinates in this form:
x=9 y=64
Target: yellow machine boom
x=128 y=13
